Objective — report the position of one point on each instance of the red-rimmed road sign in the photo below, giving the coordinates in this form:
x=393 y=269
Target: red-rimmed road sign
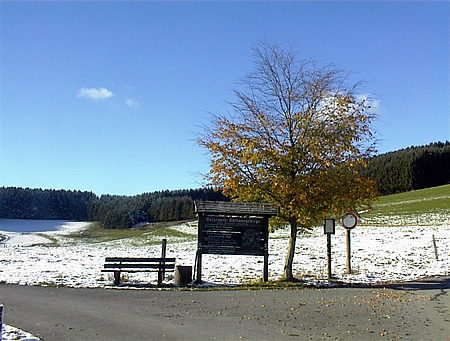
x=349 y=220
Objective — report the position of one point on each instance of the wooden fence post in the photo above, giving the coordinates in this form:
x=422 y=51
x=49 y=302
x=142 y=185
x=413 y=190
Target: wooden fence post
x=435 y=248
x=161 y=270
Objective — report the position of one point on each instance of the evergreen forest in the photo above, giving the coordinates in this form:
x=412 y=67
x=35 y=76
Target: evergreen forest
x=395 y=172
x=411 y=168
x=112 y=211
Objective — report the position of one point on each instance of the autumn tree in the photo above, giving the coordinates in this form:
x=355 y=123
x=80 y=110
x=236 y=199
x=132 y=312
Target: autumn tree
x=297 y=136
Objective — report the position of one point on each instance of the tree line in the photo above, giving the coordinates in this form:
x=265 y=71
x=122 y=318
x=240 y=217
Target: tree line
x=394 y=172
x=27 y=203
x=112 y=211
x=123 y=212
x=411 y=168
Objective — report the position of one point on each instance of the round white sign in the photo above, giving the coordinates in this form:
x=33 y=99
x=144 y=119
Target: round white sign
x=349 y=220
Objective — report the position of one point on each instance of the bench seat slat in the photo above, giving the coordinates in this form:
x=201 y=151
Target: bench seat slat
x=131 y=270
x=139 y=266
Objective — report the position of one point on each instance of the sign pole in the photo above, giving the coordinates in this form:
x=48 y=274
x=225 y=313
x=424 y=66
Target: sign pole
x=329 y=255
x=349 y=264
x=329 y=226
x=349 y=221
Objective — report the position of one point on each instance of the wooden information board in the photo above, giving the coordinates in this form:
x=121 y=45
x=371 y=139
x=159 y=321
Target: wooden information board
x=233 y=228
x=232 y=235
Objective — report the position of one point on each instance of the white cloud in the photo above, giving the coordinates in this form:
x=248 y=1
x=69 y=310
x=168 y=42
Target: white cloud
x=374 y=103
x=131 y=103
x=94 y=93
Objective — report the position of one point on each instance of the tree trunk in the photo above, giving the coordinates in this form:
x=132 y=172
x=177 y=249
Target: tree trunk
x=288 y=275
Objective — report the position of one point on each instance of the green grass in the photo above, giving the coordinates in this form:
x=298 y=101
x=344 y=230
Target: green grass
x=413 y=205
x=52 y=241
x=415 y=202
x=153 y=233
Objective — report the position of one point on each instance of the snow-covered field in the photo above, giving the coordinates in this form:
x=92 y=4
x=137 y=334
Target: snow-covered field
x=48 y=256
x=379 y=254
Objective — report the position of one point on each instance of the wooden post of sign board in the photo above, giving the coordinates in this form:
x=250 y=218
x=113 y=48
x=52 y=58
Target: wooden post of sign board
x=266 y=251
x=266 y=268
x=199 y=268
x=1 y=320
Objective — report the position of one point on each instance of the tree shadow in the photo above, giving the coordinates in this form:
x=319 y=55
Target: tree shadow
x=428 y=283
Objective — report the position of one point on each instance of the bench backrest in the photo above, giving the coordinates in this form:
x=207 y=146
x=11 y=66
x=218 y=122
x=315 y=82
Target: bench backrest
x=137 y=260
x=139 y=263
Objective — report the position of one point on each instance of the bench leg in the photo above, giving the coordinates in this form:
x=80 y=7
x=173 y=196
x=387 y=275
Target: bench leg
x=160 y=277
x=116 y=277
x=161 y=273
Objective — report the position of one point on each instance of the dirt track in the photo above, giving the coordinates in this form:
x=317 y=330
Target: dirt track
x=409 y=311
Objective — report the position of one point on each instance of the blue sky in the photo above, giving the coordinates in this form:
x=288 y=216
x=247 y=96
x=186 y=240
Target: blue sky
x=108 y=96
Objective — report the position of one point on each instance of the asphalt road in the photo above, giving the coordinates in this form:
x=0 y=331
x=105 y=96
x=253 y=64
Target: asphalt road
x=408 y=311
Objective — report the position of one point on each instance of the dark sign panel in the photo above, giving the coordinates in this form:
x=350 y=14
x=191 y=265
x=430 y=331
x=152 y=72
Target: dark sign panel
x=233 y=228
x=232 y=235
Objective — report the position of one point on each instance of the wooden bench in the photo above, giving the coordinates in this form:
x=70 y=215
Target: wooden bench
x=126 y=264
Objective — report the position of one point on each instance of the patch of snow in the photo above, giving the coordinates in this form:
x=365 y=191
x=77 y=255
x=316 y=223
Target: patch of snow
x=11 y=333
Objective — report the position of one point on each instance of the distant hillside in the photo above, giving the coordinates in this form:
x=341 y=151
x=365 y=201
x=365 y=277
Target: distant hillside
x=395 y=172
x=112 y=211
x=27 y=203
x=124 y=212
x=411 y=168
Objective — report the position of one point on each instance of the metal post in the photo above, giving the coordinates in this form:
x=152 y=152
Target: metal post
x=349 y=264
x=329 y=226
x=329 y=255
